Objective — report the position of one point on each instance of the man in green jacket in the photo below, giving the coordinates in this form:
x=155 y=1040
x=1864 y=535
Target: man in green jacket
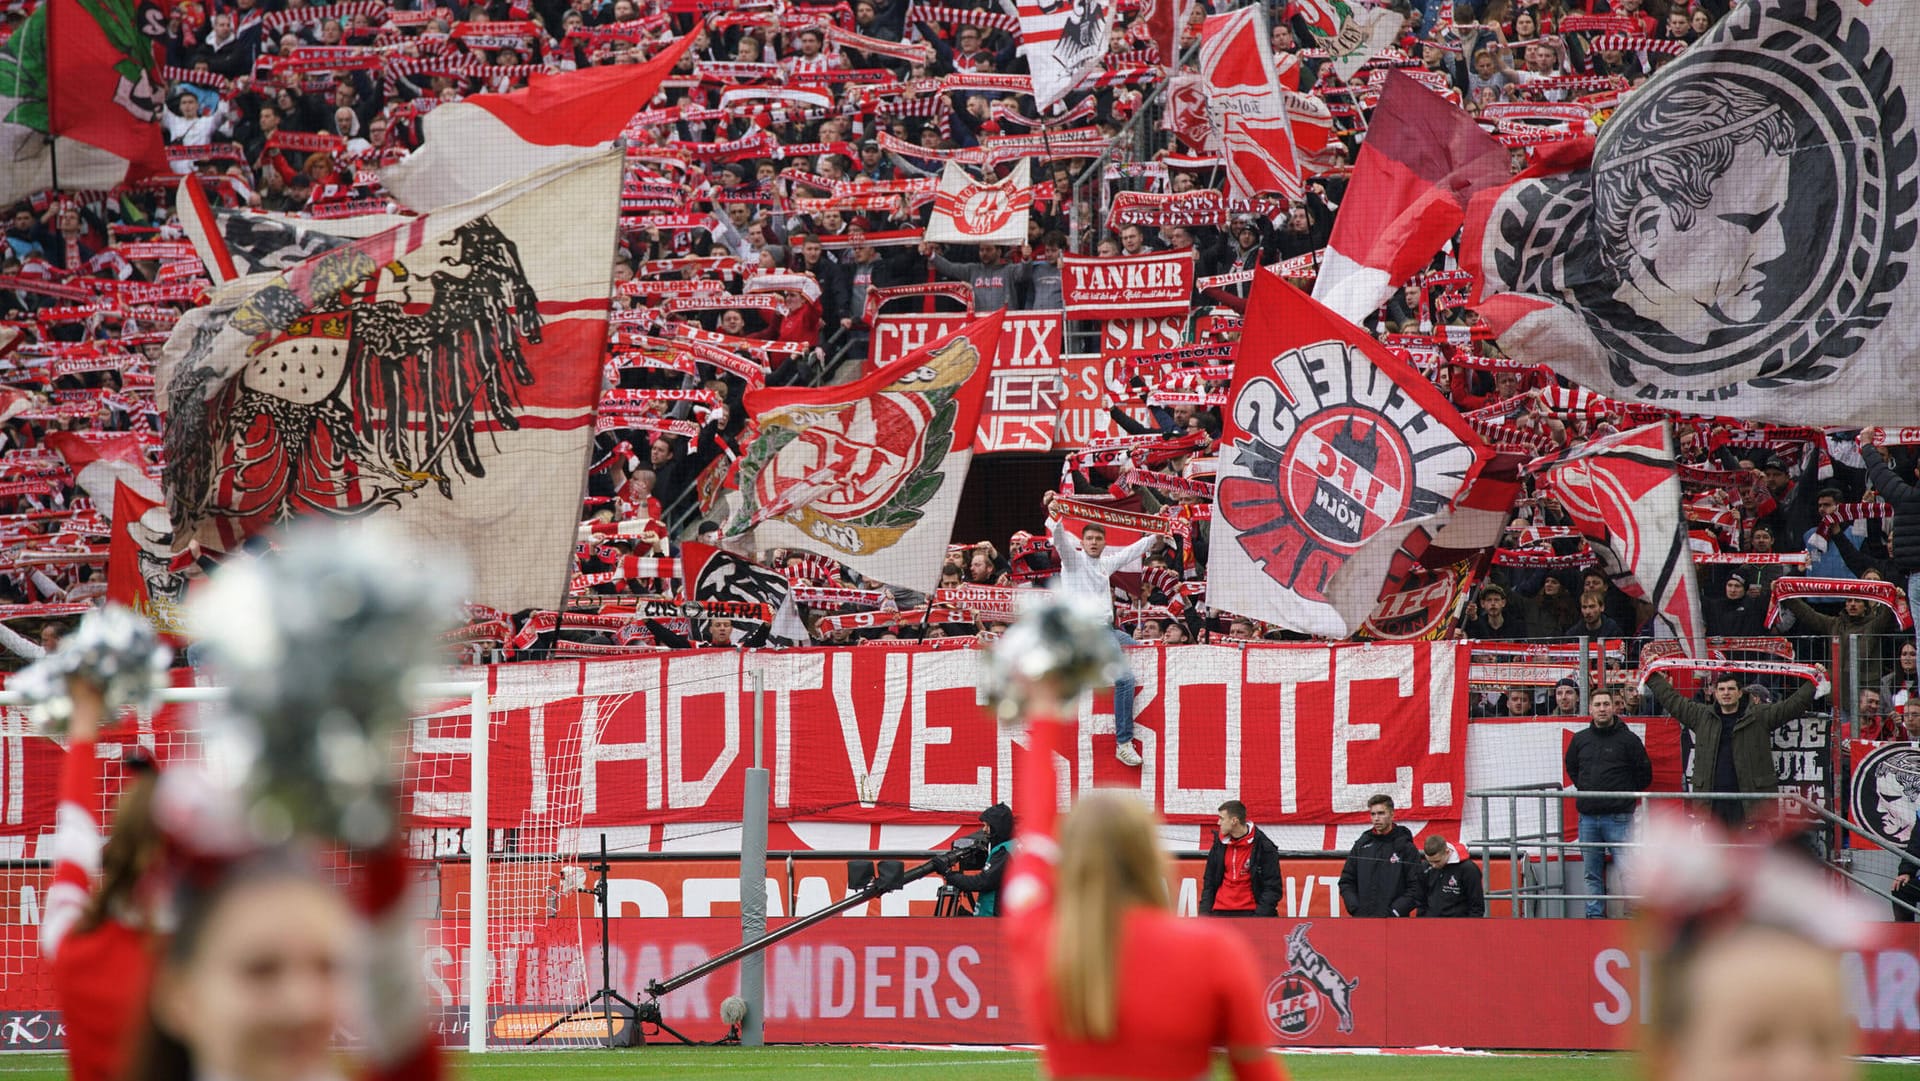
x=1869 y=626
x=1733 y=739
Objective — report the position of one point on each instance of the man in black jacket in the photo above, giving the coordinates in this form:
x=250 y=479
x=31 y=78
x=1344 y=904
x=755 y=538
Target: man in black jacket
x=1382 y=873
x=1243 y=868
x=1605 y=756
x=1451 y=883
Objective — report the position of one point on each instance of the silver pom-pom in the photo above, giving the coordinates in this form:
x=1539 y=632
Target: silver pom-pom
x=320 y=644
x=1061 y=639
x=115 y=649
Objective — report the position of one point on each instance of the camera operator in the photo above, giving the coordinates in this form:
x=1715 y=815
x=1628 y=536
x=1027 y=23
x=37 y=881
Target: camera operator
x=985 y=886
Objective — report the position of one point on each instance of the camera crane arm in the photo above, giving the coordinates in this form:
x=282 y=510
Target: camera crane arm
x=873 y=889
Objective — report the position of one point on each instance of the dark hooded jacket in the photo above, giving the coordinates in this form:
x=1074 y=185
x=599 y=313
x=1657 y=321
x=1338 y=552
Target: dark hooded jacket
x=1453 y=890
x=1382 y=874
x=985 y=886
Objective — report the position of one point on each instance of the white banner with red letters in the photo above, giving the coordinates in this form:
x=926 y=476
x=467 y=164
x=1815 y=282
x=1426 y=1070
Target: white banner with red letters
x=1127 y=287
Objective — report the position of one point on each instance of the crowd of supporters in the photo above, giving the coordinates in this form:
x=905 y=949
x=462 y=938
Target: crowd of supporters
x=792 y=152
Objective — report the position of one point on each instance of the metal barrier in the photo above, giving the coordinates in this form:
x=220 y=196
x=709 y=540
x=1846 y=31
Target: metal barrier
x=1547 y=895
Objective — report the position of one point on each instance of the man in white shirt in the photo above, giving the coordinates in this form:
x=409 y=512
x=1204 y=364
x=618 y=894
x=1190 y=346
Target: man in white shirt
x=1087 y=568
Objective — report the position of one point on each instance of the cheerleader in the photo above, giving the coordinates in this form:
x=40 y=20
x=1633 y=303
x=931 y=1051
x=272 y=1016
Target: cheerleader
x=1091 y=923
x=102 y=912
x=1746 y=982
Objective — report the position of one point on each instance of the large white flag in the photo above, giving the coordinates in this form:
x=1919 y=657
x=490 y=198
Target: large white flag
x=441 y=375
x=1062 y=40
x=1742 y=242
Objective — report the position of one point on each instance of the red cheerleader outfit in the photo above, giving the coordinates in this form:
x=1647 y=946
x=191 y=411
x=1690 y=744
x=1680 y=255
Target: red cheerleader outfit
x=100 y=975
x=1185 y=986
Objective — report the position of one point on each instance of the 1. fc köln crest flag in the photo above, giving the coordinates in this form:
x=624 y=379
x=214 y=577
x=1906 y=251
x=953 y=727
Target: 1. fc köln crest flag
x=1062 y=40
x=441 y=376
x=1743 y=241
x=869 y=473
x=965 y=211
x=1623 y=494
x=1332 y=453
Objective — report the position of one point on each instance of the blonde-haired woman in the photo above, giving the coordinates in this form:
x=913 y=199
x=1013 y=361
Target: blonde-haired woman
x=1095 y=940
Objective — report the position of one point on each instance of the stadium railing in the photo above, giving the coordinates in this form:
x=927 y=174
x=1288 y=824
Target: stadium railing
x=1535 y=835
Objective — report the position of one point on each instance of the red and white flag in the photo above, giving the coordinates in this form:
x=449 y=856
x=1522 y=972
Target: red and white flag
x=1333 y=452
x=1062 y=40
x=869 y=473
x=14 y=401
x=140 y=572
x=1423 y=160
x=436 y=376
x=83 y=105
x=477 y=144
x=1163 y=19
x=1439 y=561
x=1263 y=131
x=966 y=211
x=99 y=464
x=1623 y=494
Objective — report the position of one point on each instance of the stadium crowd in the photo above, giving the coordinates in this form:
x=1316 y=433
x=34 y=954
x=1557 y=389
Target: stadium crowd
x=793 y=152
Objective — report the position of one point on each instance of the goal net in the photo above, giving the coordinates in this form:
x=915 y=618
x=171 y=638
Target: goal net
x=504 y=888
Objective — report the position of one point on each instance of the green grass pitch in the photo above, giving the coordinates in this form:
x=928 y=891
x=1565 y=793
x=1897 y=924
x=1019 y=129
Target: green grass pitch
x=837 y=1063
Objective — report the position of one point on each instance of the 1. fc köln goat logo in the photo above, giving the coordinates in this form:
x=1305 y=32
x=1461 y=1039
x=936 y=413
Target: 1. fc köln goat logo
x=1335 y=453
x=1311 y=988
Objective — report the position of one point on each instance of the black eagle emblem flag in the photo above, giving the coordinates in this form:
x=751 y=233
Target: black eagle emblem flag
x=442 y=372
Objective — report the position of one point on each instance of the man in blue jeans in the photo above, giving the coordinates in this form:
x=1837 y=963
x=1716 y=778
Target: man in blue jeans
x=1087 y=567
x=1605 y=756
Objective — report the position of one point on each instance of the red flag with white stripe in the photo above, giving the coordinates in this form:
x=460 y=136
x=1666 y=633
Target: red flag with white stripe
x=99 y=464
x=1623 y=494
x=1423 y=160
x=1262 y=131
x=481 y=142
